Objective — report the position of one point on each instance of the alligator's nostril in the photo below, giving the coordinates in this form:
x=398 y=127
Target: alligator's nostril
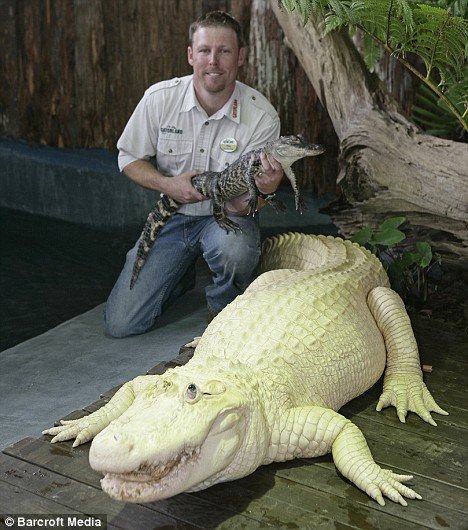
x=116 y=437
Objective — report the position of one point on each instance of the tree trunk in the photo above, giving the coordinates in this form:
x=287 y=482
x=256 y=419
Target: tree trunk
x=388 y=166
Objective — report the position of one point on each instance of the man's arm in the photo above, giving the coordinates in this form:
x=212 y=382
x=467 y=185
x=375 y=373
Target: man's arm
x=178 y=187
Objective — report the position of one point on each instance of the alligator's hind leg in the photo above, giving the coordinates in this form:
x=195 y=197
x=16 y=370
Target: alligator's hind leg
x=403 y=383
x=304 y=432
x=220 y=215
x=86 y=428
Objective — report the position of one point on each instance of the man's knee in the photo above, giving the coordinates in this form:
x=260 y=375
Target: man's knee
x=241 y=259
x=119 y=326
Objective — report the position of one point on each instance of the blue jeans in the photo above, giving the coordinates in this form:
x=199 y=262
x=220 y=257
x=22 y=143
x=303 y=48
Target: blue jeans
x=231 y=257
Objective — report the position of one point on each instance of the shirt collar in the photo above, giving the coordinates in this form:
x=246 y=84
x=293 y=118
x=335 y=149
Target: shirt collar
x=190 y=100
x=231 y=109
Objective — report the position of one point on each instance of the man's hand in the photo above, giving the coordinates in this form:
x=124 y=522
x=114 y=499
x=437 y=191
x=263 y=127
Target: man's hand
x=270 y=177
x=180 y=188
x=267 y=182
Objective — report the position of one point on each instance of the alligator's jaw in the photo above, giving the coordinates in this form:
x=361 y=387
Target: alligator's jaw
x=151 y=483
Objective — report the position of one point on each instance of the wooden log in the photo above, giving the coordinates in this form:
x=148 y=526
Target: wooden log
x=387 y=165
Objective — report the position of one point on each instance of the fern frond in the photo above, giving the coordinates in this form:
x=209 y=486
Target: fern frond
x=402 y=26
x=372 y=52
x=440 y=41
x=433 y=115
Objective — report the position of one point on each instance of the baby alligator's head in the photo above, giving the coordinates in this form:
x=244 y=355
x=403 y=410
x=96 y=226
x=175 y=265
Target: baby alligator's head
x=287 y=149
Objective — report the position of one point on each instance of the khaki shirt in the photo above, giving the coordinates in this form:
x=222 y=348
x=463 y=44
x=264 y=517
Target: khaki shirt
x=170 y=125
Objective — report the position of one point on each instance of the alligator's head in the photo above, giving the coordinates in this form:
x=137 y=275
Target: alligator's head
x=288 y=149
x=183 y=433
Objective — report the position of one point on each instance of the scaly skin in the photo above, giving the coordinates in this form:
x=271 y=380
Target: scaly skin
x=268 y=376
x=225 y=185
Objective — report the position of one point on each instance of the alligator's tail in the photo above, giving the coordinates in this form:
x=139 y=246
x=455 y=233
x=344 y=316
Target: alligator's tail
x=157 y=218
x=317 y=253
x=302 y=252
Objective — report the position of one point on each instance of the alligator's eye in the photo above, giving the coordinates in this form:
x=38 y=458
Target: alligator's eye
x=192 y=392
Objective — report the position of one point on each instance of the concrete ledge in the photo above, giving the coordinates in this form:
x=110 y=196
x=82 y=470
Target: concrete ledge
x=85 y=186
x=81 y=186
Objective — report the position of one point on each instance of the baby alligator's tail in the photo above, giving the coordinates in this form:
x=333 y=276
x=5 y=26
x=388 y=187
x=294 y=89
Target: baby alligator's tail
x=157 y=218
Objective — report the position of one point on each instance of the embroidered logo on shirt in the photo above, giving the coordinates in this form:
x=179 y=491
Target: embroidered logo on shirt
x=171 y=129
x=234 y=108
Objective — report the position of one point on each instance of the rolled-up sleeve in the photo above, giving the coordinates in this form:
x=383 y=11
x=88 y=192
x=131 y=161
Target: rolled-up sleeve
x=140 y=136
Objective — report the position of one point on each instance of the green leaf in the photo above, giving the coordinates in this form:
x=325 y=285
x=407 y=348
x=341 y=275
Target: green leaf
x=388 y=237
x=392 y=222
x=407 y=259
x=363 y=236
x=423 y=253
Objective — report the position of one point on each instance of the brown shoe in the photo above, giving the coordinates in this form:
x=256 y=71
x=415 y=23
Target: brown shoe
x=210 y=316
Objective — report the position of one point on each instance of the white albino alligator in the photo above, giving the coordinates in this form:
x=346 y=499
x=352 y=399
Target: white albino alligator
x=267 y=377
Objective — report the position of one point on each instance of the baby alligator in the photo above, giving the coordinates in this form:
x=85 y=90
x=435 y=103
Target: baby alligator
x=223 y=186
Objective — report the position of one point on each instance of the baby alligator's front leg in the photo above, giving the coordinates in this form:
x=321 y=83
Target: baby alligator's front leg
x=219 y=213
x=253 y=170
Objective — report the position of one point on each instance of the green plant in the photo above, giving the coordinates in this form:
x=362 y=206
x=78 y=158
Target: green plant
x=430 y=112
x=400 y=27
x=408 y=268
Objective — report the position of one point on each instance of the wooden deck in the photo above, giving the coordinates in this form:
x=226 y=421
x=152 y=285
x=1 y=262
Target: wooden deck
x=37 y=477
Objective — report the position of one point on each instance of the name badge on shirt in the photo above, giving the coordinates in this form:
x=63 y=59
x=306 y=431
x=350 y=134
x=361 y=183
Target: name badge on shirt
x=228 y=145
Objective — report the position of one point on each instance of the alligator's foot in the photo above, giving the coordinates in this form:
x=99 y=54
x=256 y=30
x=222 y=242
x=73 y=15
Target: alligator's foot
x=409 y=393
x=252 y=205
x=82 y=429
x=278 y=205
x=228 y=225
x=377 y=482
x=301 y=206
x=193 y=343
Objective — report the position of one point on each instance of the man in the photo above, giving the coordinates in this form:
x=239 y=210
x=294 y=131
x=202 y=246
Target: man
x=192 y=124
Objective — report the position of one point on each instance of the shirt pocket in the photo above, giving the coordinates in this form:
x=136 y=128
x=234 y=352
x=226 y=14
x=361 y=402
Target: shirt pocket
x=174 y=156
x=220 y=160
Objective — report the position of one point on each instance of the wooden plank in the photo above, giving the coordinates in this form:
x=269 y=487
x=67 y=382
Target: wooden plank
x=186 y=353
x=95 y=405
x=283 y=501
x=230 y=493
x=455 y=403
x=162 y=367
x=73 y=463
x=422 y=455
x=109 y=393
x=440 y=344
x=59 y=457
x=17 y=500
x=446 y=429
x=76 y=414
x=432 y=511
x=83 y=498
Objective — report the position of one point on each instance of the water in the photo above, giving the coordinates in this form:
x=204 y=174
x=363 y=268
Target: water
x=51 y=271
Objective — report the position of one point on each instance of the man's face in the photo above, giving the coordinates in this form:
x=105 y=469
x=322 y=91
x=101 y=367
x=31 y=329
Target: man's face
x=215 y=58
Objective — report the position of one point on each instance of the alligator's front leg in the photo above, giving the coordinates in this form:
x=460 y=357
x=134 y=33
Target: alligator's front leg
x=314 y=431
x=404 y=387
x=253 y=169
x=86 y=428
x=300 y=205
x=219 y=213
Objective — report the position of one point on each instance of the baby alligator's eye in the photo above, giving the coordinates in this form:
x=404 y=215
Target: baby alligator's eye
x=192 y=392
